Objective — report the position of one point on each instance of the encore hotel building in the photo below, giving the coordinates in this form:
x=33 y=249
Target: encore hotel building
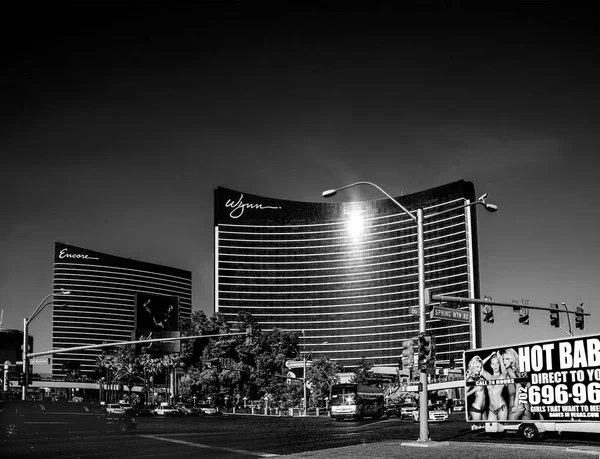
x=345 y=273
x=112 y=299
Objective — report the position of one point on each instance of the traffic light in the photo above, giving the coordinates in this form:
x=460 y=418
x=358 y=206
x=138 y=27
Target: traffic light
x=426 y=351
x=20 y=378
x=400 y=364
x=488 y=311
x=408 y=353
x=524 y=316
x=554 y=316
x=579 y=317
x=452 y=363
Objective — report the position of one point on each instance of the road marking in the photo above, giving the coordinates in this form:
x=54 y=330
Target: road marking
x=200 y=445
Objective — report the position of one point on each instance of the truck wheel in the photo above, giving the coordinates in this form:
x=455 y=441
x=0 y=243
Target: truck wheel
x=529 y=432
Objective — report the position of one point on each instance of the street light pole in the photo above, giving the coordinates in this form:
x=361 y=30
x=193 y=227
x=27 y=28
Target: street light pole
x=304 y=401
x=24 y=353
x=419 y=219
x=424 y=395
x=305 y=356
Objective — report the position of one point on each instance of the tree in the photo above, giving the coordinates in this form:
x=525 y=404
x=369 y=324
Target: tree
x=127 y=368
x=71 y=370
x=363 y=373
x=321 y=376
x=151 y=366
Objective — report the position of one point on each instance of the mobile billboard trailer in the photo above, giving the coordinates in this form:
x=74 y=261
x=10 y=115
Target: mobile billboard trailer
x=537 y=387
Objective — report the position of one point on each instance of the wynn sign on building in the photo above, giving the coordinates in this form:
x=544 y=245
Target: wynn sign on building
x=346 y=273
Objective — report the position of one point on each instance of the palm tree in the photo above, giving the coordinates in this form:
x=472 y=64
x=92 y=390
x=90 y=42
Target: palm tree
x=106 y=362
x=150 y=367
x=127 y=373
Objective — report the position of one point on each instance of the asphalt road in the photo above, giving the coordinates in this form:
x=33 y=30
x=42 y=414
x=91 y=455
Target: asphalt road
x=238 y=437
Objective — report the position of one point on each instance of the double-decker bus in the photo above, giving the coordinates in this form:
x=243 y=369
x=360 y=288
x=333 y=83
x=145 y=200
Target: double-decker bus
x=356 y=401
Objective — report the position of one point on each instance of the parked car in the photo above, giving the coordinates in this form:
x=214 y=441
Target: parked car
x=26 y=417
x=115 y=408
x=208 y=409
x=166 y=410
x=184 y=408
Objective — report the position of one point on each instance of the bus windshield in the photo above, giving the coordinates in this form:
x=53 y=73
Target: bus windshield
x=343 y=399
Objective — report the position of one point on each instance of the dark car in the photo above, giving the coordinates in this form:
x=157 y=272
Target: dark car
x=392 y=410
x=23 y=417
x=144 y=411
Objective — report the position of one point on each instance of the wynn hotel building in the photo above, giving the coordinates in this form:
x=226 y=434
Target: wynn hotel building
x=113 y=299
x=344 y=275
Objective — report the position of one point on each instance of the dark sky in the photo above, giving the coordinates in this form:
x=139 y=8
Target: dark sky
x=119 y=119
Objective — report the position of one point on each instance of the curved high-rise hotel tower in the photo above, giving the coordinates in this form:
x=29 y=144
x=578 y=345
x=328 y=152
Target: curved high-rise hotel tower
x=113 y=299
x=345 y=273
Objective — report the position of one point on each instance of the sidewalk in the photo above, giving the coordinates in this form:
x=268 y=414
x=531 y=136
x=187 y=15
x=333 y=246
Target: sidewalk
x=450 y=450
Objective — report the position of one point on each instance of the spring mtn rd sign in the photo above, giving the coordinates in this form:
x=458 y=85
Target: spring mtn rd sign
x=459 y=315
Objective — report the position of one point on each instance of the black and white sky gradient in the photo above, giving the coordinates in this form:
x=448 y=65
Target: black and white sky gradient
x=118 y=120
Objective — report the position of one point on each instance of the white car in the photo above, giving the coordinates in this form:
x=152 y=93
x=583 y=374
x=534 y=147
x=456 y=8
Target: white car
x=115 y=408
x=435 y=415
x=407 y=411
x=207 y=409
x=165 y=410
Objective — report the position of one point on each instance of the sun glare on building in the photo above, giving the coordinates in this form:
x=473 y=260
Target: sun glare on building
x=356 y=225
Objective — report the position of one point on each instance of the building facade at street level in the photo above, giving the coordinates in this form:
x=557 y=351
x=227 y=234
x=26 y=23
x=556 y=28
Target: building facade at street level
x=113 y=299
x=346 y=273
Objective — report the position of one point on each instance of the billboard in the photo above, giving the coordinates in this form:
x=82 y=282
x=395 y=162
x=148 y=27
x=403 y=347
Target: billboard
x=157 y=316
x=556 y=380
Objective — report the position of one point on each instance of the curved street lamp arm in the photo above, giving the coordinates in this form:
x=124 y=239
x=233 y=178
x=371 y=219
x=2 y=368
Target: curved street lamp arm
x=488 y=207
x=329 y=193
x=40 y=307
x=43 y=303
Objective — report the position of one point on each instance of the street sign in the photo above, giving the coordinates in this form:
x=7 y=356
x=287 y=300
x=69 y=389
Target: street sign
x=414 y=310
x=40 y=361
x=458 y=315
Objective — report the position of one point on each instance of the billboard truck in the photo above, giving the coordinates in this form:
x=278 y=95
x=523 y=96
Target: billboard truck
x=537 y=387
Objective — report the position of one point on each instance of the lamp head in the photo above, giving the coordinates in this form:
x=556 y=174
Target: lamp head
x=488 y=207
x=328 y=193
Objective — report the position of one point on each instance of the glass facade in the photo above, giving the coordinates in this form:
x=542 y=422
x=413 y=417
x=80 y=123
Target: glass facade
x=101 y=306
x=345 y=273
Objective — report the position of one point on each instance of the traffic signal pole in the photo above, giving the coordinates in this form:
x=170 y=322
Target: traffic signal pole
x=423 y=395
x=459 y=299
x=127 y=343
